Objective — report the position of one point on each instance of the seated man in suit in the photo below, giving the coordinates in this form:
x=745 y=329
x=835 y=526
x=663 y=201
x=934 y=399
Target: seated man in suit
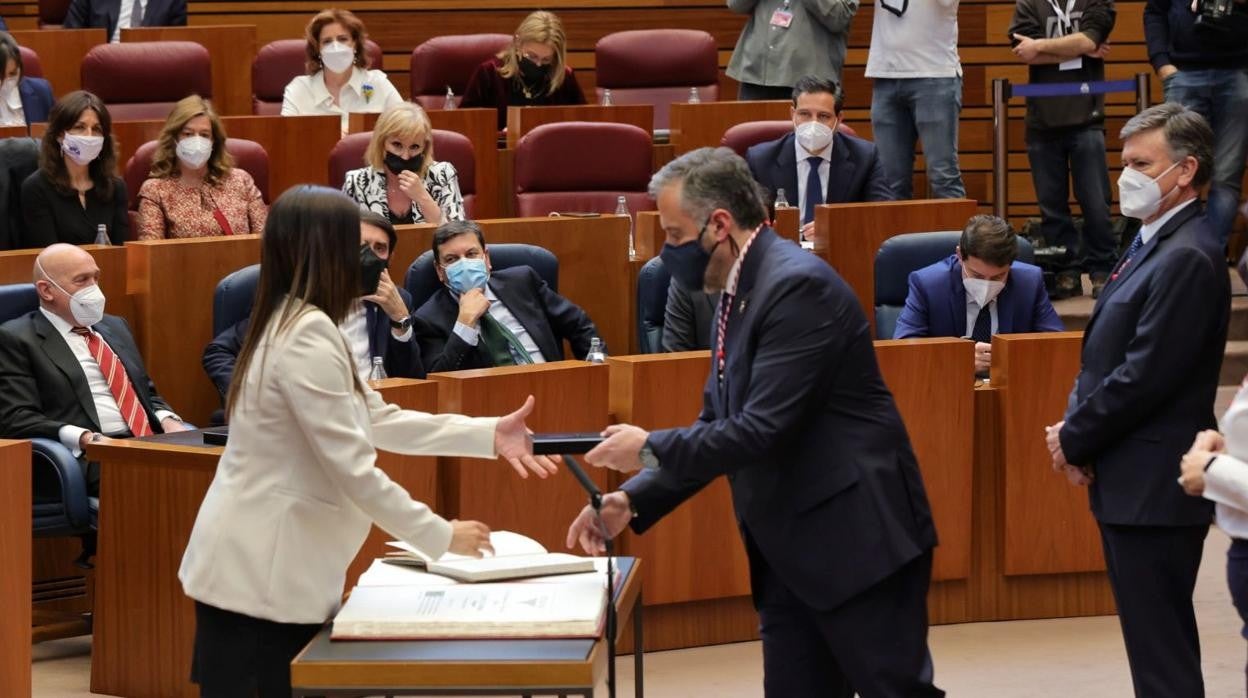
x=687 y=318
x=849 y=168
x=70 y=373
x=482 y=318
x=978 y=291
x=115 y=15
x=381 y=327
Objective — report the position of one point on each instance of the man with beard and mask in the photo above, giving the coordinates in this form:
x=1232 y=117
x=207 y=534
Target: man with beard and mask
x=826 y=488
x=70 y=373
x=483 y=317
x=531 y=71
x=978 y=291
x=379 y=327
x=402 y=181
x=816 y=164
x=1152 y=355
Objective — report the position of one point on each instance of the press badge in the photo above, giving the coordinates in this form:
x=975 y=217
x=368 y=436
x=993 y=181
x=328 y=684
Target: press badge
x=781 y=18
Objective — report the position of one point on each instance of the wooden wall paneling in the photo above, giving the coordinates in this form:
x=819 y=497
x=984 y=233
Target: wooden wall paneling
x=521 y=120
x=60 y=53
x=231 y=48
x=571 y=396
x=701 y=125
x=15 y=559
x=18 y=266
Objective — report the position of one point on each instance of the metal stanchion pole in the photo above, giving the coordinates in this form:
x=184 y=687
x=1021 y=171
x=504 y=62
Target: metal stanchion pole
x=1143 y=85
x=1000 y=146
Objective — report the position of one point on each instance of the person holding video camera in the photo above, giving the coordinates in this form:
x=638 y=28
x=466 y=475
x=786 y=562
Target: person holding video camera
x=1199 y=51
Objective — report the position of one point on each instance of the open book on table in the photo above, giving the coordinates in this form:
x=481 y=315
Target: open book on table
x=515 y=557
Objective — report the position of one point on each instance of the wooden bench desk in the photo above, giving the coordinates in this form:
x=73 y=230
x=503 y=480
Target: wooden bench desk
x=703 y=125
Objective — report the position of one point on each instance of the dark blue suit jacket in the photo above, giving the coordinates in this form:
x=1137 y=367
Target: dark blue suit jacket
x=936 y=303
x=401 y=359
x=549 y=318
x=1152 y=355
x=37 y=99
x=855 y=172
x=824 y=482
x=84 y=14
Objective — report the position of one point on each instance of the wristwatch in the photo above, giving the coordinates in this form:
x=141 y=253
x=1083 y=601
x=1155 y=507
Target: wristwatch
x=649 y=461
x=402 y=325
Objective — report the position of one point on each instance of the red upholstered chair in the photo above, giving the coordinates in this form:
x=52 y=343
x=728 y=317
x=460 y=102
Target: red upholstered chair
x=31 y=67
x=582 y=166
x=449 y=61
x=248 y=155
x=658 y=67
x=450 y=146
x=279 y=62
x=742 y=136
x=52 y=13
x=143 y=80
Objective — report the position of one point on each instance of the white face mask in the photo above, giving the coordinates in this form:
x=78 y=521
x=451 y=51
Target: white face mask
x=982 y=291
x=337 y=57
x=82 y=149
x=1139 y=196
x=814 y=136
x=194 y=151
x=7 y=88
x=87 y=305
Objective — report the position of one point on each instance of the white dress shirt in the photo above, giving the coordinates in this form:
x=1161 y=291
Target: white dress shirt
x=972 y=314
x=803 y=171
x=1226 y=480
x=367 y=91
x=355 y=329
x=498 y=310
x=11 y=111
x=1149 y=230
x=106 y=408
x=125 y=18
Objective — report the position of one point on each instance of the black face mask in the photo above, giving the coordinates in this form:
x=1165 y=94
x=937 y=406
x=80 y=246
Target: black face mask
x=396 y=164
x=371 y=267
x=532 y=73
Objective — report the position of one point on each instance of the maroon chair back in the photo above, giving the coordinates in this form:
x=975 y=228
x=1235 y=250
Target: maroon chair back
x=143 y=80
x=448 y=61
x=249 y=156
x=657 y=67
x=450 y=146
x=582 y=166
x=279 y=62
x=31 y=67
x=742 y=136
x=52 y=13
x=347 y=155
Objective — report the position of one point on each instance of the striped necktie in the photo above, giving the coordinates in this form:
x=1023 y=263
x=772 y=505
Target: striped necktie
x=118 y=383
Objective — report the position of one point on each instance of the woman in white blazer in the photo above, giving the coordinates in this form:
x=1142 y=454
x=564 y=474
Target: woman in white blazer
x=297 y=487
x=1216 y=468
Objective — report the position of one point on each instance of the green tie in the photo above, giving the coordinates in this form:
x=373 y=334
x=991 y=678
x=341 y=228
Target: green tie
x=504 y=348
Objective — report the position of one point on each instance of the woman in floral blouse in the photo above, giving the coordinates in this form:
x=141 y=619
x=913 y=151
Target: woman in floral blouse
x=194 y=189
x=402 y=181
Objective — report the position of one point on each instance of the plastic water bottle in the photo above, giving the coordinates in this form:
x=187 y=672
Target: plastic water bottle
x=378 y=372
x=781 y=202
x=621 y=209
x=101 y=235
x=596 y=355
x=450 y=99
x=694 y=97
x=606 y=97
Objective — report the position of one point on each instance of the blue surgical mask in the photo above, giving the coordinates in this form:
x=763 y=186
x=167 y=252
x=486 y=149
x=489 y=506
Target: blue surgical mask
x=687 y=262
x=467 y=274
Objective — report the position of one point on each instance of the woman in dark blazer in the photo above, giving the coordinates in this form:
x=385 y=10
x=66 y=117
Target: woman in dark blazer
x=76 y=188
x=23 y=100
x=531 y=71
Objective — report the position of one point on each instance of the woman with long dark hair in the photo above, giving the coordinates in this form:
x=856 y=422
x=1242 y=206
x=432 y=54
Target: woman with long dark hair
x=297 y=487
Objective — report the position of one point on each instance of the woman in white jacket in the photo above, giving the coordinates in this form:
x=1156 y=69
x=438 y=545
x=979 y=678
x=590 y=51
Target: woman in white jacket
x=1216 y=468
x=297 y=487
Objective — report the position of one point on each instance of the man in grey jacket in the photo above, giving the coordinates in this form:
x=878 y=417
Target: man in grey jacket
x=787 y=39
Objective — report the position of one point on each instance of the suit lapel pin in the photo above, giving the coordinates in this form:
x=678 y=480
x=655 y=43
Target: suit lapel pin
x=741 y=306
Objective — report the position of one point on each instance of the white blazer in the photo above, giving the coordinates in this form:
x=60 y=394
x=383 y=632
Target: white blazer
x=366 y=91
x=297 y=488
x=1226 y=480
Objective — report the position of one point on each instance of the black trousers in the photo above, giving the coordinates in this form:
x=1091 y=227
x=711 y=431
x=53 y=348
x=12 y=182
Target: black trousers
x=238 y=656
x=875 y=644
x=1152 y=570
x=1237 y=580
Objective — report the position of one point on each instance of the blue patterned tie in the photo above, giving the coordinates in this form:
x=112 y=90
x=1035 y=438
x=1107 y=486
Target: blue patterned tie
x=814 y=190
x=982 y=331
x=1134 y=247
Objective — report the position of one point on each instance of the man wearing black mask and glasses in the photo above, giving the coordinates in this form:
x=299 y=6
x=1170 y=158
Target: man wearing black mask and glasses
x=381 y=326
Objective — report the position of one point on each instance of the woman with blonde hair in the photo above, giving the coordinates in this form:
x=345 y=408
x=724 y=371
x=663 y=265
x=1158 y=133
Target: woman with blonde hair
x=339 y=79
x=193 y=189
x=531 y=71
x=401 y=180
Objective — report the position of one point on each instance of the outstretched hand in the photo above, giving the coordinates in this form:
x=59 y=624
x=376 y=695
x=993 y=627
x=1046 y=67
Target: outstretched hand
x=514 y=441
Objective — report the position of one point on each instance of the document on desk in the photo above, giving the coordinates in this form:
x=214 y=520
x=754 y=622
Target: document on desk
x=466 y=611
x=384 y=573
x=515 y=556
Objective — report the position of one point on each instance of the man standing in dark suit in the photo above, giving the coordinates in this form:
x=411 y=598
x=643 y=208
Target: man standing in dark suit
x=115 y=15
x=1152 y=353
x=978 y=291
x=482 y=318
x=848 y=168
x=70 y=373
x=827 y=492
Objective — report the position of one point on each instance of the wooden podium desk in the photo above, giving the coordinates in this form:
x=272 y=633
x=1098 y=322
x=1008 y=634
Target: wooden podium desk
x=703 y=125
x=521 y=120
x=567 y=667
x=15 y=560
x=231 y=49
x=593 y=259
x=60 y=54
x=18 y=266
x=150 y=492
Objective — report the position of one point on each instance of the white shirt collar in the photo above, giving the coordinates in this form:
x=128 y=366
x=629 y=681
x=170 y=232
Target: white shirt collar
x=1149 y=230
x=321 y=93
x=58 y=322
x=803 y=154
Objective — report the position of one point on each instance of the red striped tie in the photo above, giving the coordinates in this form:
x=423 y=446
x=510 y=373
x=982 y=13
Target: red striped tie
x=118 y=383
